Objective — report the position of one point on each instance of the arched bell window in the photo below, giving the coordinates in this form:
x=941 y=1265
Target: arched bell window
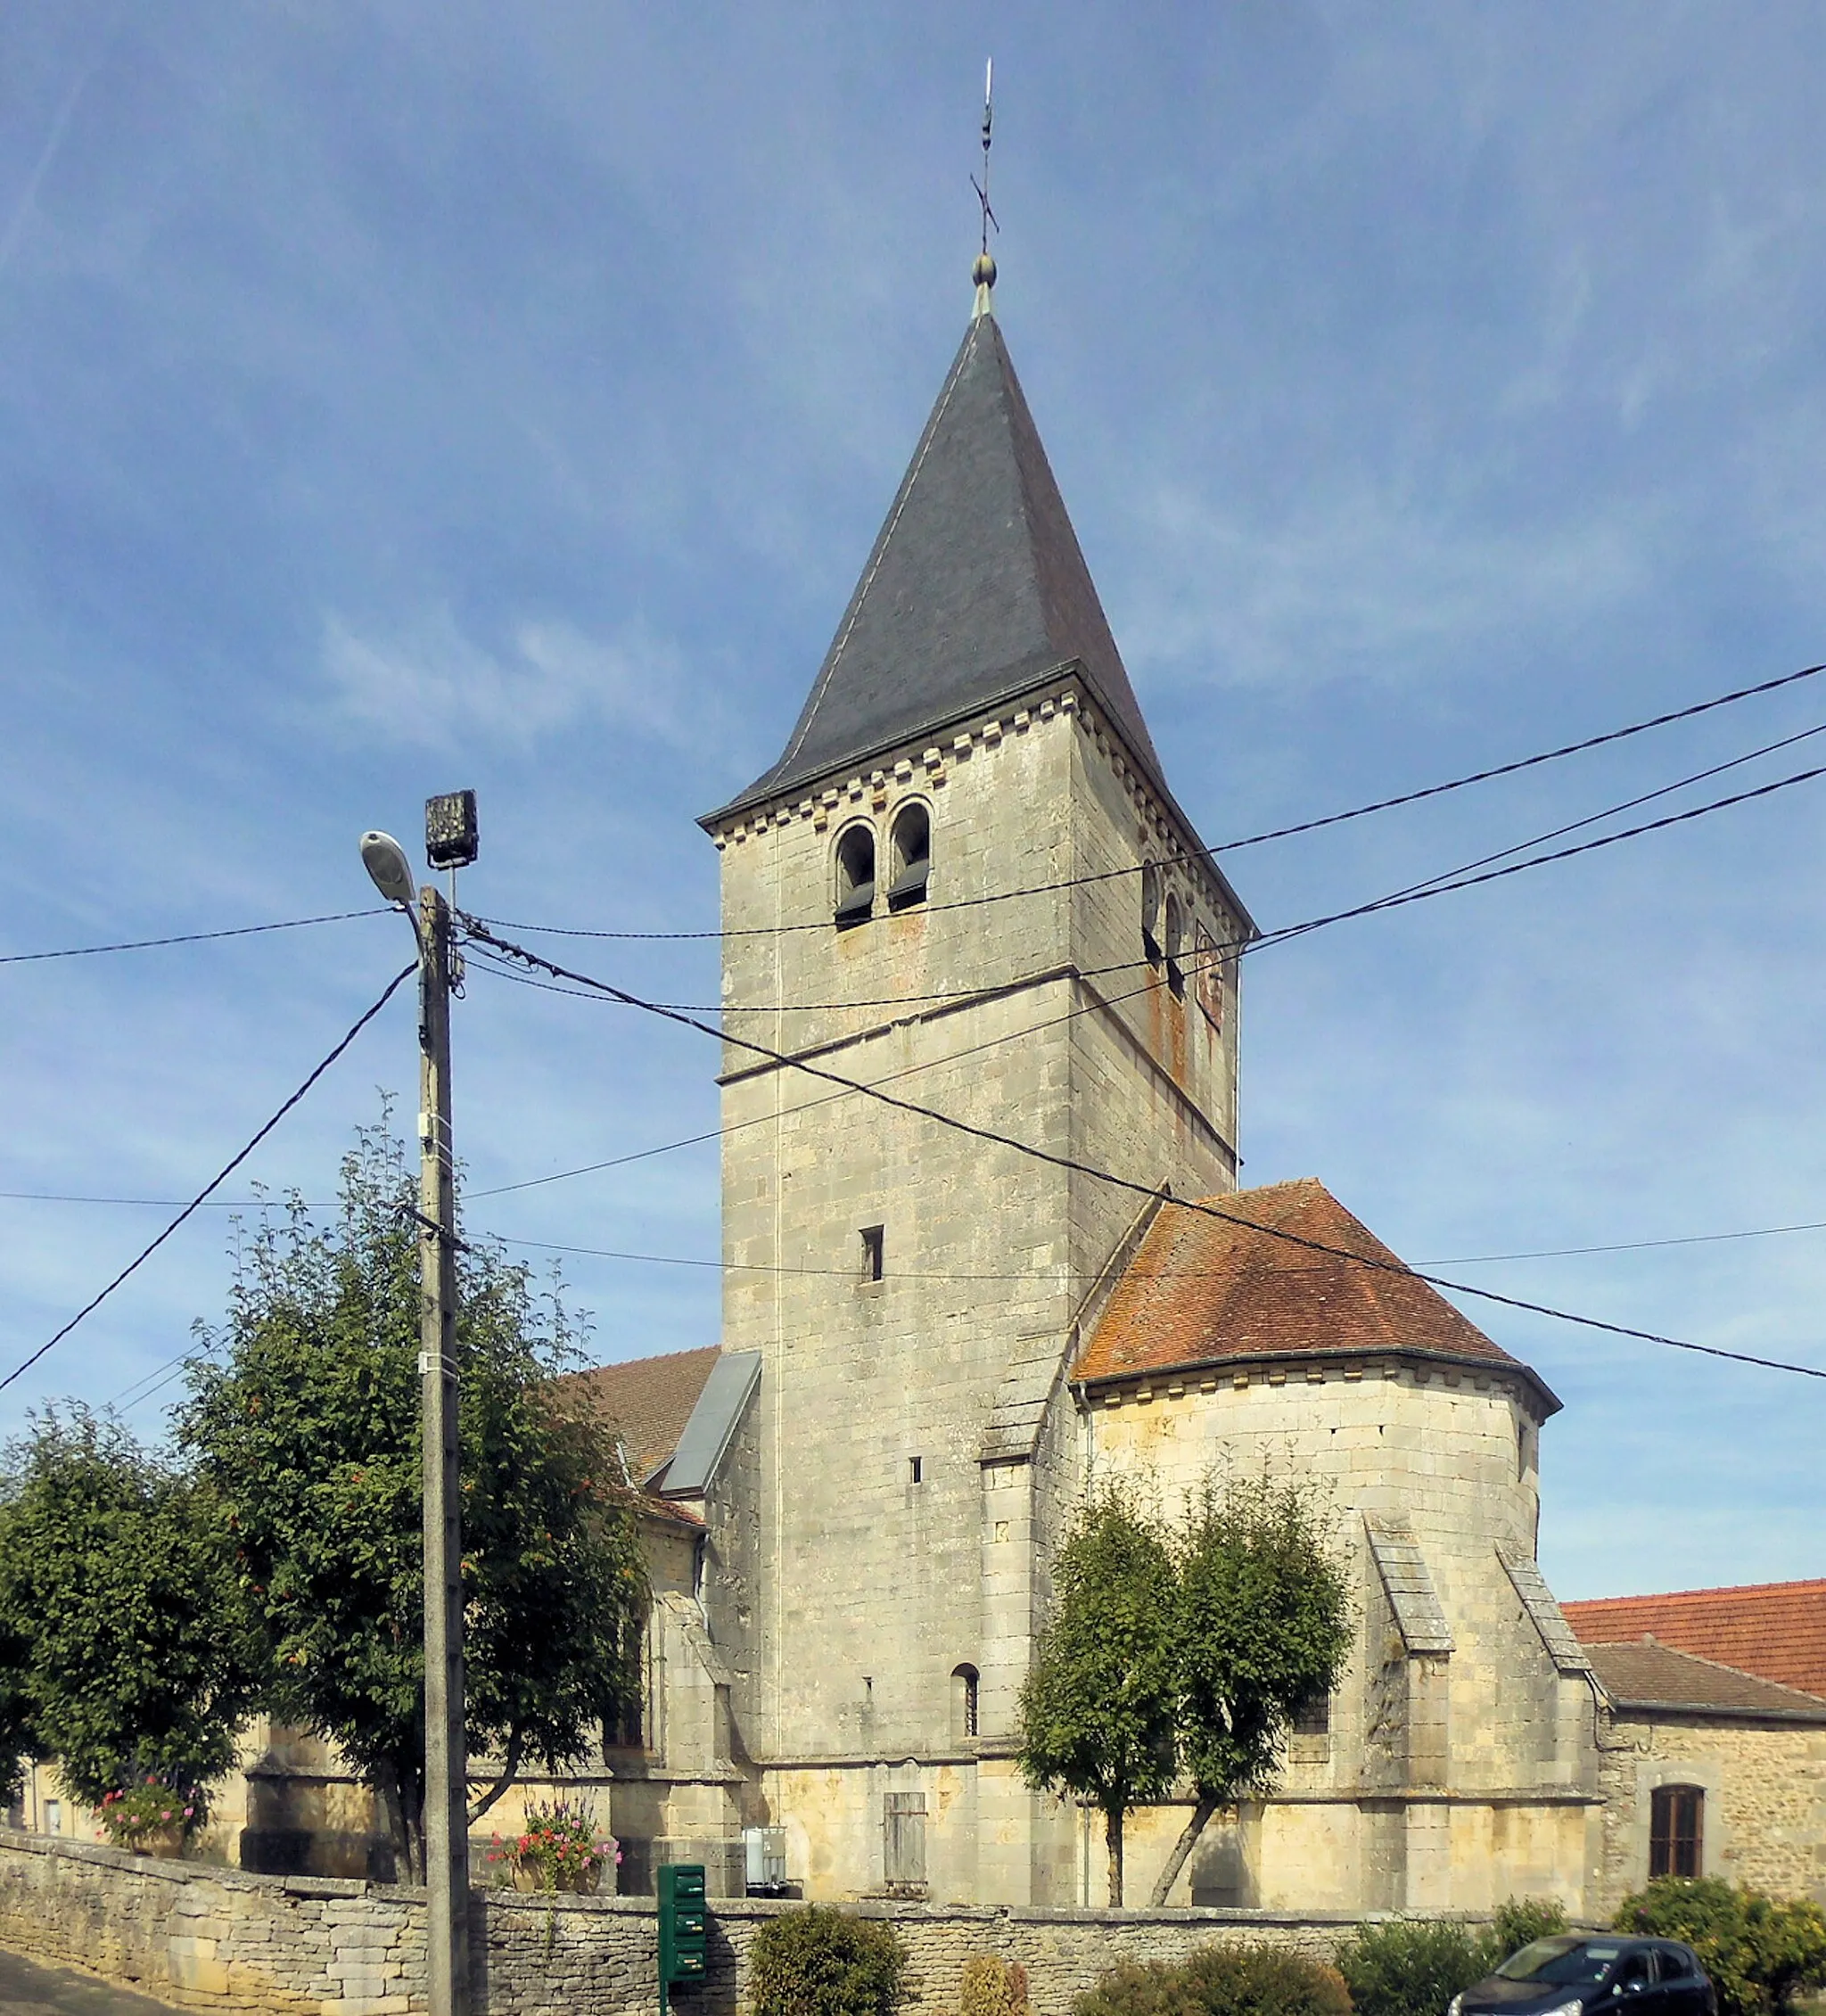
x=909 y=853
x=855 y=862
x=1151 y=884
x=1175 y=945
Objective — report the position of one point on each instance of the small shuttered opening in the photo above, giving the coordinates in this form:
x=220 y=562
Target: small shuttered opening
x=903 y=1822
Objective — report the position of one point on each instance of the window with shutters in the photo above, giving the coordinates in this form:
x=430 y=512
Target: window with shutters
x=1676 y=1830
x=855 y=866
x=903 y=1822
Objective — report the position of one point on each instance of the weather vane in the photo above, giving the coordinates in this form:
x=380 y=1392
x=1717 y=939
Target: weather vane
x=985 y=273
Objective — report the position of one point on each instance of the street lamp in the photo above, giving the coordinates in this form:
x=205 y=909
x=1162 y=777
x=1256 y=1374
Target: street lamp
x=450 y=842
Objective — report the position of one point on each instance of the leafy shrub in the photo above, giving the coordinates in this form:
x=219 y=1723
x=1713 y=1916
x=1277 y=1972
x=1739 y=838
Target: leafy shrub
x=1760 y=1951
x=1225 y=1980
x=1521 y=1923
x=1412 y=1967
x=823 y=1963
x=993 y=1987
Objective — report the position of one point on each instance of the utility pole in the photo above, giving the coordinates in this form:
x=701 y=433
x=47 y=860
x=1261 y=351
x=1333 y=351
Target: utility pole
x=450 y=842
x=446 y=1837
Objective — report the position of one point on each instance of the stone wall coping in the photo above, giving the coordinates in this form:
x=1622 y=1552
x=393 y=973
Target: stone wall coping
x=503 y=1899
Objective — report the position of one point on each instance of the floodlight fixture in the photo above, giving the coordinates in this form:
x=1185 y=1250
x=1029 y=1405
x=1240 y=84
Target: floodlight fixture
x=385 y=859
x=450 y=835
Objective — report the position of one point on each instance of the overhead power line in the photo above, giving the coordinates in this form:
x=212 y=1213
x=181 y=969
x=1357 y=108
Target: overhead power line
x=216 y=1181
x=1248 y=840
x=1445 y=883
x=184 y=938
x=1071 y=1164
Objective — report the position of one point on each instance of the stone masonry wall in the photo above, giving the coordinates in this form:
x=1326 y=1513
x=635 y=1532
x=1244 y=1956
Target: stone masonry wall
x=216 y=1939
x=1764 y=1812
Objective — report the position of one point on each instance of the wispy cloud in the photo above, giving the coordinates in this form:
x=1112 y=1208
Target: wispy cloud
x=433 y=685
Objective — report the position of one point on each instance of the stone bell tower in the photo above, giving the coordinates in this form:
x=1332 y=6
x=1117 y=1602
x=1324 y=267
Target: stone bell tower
x=964 y=881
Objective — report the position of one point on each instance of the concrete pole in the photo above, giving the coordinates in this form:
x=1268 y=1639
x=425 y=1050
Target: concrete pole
x=445 y=1839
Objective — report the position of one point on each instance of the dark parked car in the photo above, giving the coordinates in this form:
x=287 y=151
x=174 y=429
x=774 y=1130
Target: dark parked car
x=1575 y=1976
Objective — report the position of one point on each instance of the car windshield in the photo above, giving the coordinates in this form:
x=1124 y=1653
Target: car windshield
x=1560 y=1962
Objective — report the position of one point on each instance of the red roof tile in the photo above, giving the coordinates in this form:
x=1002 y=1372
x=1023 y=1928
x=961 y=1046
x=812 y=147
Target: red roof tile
x=1647 y=1674
x=1776 y=1630
x=1202 y=1290
x=649 y=1400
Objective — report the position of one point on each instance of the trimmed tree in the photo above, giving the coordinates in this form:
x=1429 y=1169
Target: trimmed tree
x=303 y=1417
x=1263 y=1629
x=121 y=1653
x=1097 y=1708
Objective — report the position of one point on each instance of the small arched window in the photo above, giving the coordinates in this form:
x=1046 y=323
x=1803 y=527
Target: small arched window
x=910 y=854
x=1208 y=977
x=1175 y=946
x=1151 y=911
x=855 y=875
x=964 y=1683
x=1676 y=1831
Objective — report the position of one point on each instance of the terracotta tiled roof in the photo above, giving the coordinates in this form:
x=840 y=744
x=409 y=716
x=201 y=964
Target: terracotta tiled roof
x=1776 y=1630
x=649 y=1400
x=1203 y=1291
x=1645 y=1675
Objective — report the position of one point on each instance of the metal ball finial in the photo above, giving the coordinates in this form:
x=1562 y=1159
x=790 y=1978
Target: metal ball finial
x=983 y=273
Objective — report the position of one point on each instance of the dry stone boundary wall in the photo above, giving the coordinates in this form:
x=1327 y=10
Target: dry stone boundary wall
x=216 y=1939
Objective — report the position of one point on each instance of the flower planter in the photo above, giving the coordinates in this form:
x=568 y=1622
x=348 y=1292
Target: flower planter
x=167 y=1843
x=583 y=1882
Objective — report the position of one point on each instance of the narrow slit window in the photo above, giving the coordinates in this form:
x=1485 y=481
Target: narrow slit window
x=1175 y=946
x=855 y=901
x=911 y=847
x=964 y=1686
x=1151 y=911
x=915 y=1469
x=873 y=1251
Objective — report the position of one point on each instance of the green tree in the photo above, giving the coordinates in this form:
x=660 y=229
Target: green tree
x=1097 y=1708
x=1760 y=1951
x=120 y=1648
x=1263 y=1627
x=303 y=1417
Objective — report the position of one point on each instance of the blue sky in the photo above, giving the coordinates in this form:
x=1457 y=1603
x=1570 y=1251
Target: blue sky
x=395 y=398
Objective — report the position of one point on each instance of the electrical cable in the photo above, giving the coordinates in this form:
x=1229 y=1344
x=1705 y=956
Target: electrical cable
x=1072 y=1166
x=1632 y=1245
x=1232 y=846
x=216 y=1181
x=184 y=938
x=1442 y=884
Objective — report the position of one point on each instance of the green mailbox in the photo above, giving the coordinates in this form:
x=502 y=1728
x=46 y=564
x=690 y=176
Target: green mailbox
x=683 y=1931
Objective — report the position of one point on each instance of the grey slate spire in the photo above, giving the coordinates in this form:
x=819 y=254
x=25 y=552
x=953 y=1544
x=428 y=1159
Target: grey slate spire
x=976 y=592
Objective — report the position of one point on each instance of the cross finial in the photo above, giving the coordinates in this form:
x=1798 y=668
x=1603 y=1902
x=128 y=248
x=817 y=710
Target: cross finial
x=984 y=272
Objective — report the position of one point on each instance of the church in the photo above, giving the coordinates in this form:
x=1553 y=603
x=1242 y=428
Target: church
x=983 y=1249
x=967 y=883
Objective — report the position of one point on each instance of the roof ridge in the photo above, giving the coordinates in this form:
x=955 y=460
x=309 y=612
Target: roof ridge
x=1687 y=1595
